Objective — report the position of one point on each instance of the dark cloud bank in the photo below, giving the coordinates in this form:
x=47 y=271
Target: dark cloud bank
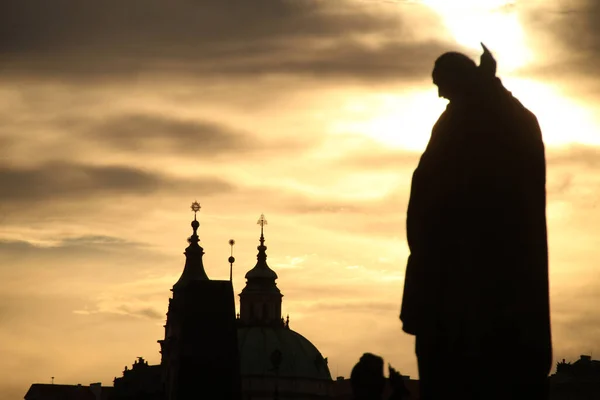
x=571 y=30
x=71 y=39
x=161 y=133
x=73 y=181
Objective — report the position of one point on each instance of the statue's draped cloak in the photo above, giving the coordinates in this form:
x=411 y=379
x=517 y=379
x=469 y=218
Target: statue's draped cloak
x=477 y=275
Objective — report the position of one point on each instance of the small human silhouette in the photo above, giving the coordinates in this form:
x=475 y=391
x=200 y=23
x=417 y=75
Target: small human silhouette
x=367 y=378
x=476 y=289
x=368 y=381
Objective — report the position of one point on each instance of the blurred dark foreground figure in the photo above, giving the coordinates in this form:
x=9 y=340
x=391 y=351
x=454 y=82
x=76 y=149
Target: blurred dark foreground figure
x=368 y=381
x=476 y=288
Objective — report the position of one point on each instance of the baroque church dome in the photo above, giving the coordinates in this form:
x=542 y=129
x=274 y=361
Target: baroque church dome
x=299 y=357
x=268 y=348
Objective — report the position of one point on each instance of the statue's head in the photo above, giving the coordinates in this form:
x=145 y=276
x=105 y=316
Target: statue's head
x=456 y=75
x=453 y=74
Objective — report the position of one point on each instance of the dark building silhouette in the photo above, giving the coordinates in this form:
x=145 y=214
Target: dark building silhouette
x=343 y=389
x=199 y=351
x=584 y=369
x=576 y=381
x=207 y=350
x=94 y=391
x=142 y=381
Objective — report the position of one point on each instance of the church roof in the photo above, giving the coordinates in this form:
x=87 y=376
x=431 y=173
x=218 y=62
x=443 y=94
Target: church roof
x=261 y=270
x=194 y=267
x=299 y=357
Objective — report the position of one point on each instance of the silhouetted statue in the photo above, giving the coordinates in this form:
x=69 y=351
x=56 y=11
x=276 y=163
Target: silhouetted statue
x=476 y=288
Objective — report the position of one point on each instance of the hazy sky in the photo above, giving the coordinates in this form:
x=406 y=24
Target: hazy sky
x=115 y=115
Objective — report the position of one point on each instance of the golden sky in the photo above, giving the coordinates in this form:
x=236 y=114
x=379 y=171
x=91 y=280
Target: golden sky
x=115 y=116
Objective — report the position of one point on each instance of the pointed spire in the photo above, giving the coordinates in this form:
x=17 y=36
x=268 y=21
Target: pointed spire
x=260 y=300
x=261 y=270
x=194 y=239
x=194 y=268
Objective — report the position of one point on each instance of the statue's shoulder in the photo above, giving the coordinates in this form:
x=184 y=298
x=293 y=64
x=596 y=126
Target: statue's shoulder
x=525 y=112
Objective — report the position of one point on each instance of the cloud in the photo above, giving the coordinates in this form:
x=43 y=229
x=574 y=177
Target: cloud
x=156 y=133
x=367 y=307
x=70 y=39
x=581 y=156
x=151 y=313
x=144 y=297
x=569 y=34
x=572 y=179
x=81 y=266
x=381 y=159
x=95 y=245
x=575 y=320
x=34 y=347
x=64 y=123
x=377 y=218
x=578 y=30
x=56 y=181
x=96 y=241
x=127 y=311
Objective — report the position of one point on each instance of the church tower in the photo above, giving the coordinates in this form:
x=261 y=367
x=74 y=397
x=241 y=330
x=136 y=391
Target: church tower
x=200 y=353
x=276 y=362
x=260 y=300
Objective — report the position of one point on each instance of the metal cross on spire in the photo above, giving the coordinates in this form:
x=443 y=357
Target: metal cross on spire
x=195 y=208
x=262 y=222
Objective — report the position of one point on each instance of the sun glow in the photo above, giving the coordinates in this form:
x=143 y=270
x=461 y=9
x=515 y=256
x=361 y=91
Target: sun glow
x=493 y=22
x=405 y=121
x=562 y=119
x=401 y=121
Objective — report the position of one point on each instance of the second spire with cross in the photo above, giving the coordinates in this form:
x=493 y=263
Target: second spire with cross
x=262 y=222
x=260 y=300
